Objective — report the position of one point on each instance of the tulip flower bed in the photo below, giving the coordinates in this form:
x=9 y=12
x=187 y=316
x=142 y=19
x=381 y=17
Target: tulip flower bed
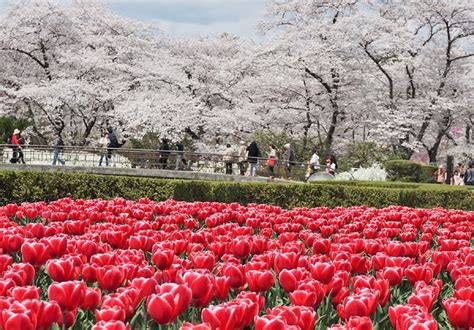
x=174 y=265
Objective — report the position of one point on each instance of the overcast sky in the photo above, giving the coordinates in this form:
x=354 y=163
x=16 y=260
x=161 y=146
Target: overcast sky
x=191 y=17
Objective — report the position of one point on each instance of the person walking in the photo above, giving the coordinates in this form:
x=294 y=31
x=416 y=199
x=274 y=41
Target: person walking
x=289 y=160
x=104 y=144
x=242 y=157
x=15 y=145
x=164 y=153
x=58 y=146
x=180 y=165
x=22 y=141
x=113 y=142
x=253 y=154
x=271 y=161
x=332 y=165
x=228 y=158
x=469 y=175
x=313 y=164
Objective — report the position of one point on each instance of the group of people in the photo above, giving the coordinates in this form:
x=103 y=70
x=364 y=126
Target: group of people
x=107 y=142
x=248 y=157
x=248 y=160
x=165 y=151
x=463 y=175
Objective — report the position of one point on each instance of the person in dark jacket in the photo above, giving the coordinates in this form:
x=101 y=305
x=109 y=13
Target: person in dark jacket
x=22 y=141
x=164 y=153
x=469 y=175
x=252 y=157
x=180 y=164
x=58 y=146
x=289 y=159
x=113 y=142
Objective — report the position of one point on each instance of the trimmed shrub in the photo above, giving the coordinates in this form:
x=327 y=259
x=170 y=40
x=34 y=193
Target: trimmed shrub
x=21 y=186
x=410 y=171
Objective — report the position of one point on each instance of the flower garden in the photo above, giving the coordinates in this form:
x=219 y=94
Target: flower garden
x=122 y=264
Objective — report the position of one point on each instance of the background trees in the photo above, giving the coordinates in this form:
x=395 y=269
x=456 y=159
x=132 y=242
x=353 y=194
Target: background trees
x=328 y=74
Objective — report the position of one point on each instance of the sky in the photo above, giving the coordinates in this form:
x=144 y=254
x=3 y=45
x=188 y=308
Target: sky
x=191 y=17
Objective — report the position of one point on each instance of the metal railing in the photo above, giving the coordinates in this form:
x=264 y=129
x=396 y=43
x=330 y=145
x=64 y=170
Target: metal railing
x=143 y=159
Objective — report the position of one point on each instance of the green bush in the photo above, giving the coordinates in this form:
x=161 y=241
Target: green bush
x=364 y=155
x=410 y=171
x=21 y=186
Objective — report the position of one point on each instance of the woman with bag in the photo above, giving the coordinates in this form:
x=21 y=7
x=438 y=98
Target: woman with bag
x=271 y=162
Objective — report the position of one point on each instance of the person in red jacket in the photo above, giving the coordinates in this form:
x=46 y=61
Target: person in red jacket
x=15 y=144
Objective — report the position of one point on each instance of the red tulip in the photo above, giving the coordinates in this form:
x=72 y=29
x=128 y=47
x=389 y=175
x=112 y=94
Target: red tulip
x=146 y=287
x=303 y=298
x=323 y=272
x=5 y=262
x=260 y=281
x=287 y=260
x=57 y=246
x=61 y=270
x=69 y=295
x=289 y=279
x=110 y=325
x=224 y=317
x=302 y=317
x=21 y=293
x=107 y=314
x=163 y=259
x=222 y=287
x=236 y=274
x=271 y=322
x=110 y=277
x=167 y=305
x=91 y=299
x=201 y=286
x=35 y=254
x=18 y=318
x=362 y=304
x=355 y=323
x=361 y=282
x=460 y=312
x=394 y=275
x=465 y=293
x=22 y=274
x=415 y=273
x=46 y=313
x=204 y=260
x=241 y=248
x=12 y=243
x=5 y=287
x=191 y=326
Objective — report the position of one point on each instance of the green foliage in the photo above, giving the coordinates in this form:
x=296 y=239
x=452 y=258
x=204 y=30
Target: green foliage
x=152 y=141
x=302 y=151
x=364 y=154
x=20 y=186
x=8 y=124
x=410 y=171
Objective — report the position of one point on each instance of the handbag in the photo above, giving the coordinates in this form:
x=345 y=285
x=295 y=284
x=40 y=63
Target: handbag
x=271 y=162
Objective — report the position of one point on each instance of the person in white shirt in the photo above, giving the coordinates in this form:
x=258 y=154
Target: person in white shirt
x=228 y=159
x=103 y=144
x=242 y=157
x=313 y=165
x=271 y=161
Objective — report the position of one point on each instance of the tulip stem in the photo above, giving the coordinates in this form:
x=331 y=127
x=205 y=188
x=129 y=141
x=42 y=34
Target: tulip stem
x=63 y=326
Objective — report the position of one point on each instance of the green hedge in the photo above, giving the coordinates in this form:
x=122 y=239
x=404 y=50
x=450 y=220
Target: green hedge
x=410 y=171
x=19 y=186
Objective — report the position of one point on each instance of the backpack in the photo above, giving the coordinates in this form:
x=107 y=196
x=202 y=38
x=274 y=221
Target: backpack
x=60 y=144
x=113 y=141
